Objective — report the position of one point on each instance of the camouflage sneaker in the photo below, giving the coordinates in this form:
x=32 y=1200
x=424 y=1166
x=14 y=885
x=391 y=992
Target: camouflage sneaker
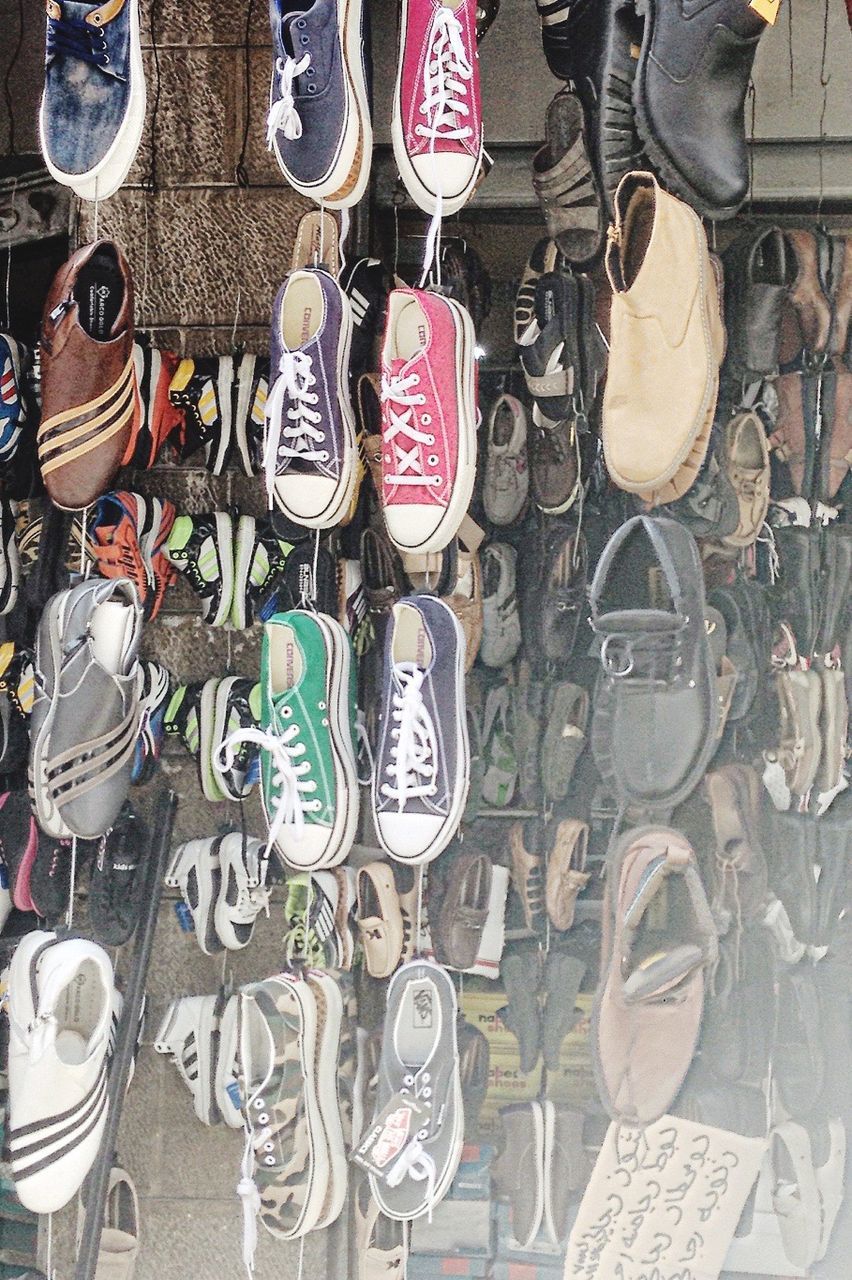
x=286 y=1164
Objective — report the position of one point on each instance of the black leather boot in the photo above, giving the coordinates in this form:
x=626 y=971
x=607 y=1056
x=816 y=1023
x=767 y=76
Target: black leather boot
x=834 y=594
x=689 y=94
x=759 y=269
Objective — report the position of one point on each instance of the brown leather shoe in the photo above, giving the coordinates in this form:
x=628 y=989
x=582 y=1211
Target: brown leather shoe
x=742 y=880
x=90 y=403
x=368 y=412
x=807 y=296
x=526 y=841
x=379 y=919
x=659 y=937
x=458 y=924
x=474 y=1062
x=839 y=342
x=465 y=600
x=666 y=340
x=552 y=448
x=566 y=871
x=745 y=453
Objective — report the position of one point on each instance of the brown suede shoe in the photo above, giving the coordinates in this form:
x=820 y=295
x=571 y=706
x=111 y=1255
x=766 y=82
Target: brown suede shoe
x=659 y=937
x=742 y=882
x=465 y=600
x=90 y=404
x=745 y=451
x=566 y=871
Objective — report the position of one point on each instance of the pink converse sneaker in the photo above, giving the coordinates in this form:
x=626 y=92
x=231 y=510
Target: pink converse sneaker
x=437 y=117
x=428 y=419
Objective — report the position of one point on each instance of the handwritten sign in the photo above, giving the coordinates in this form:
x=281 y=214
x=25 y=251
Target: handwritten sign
x=663 y=1203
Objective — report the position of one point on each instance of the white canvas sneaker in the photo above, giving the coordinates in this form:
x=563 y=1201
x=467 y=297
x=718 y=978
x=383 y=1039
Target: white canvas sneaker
x=62 y=1007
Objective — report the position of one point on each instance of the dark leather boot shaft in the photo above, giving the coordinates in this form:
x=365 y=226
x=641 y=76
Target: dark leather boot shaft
x=796 y=592
x=758 y=272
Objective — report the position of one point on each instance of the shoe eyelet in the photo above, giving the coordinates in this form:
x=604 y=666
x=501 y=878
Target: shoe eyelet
x=312 y=88
x=303 y=39
x=269 y=1161
x=421 y=399
x=301 y=23
x=286 y=712
x=264 y=1118
x=436 y=480
x=426 y=419
x=268 y=1146
x=321 y=706
x=258 y=1104
x=324 y=722
x=433 y=459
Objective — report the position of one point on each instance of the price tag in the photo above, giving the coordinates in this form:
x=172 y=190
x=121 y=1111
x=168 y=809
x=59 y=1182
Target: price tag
x=767 y=9
x=389 y=1134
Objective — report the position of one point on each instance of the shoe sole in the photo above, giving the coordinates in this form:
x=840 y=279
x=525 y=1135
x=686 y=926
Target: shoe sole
x=619 y=148
x=422 y=196
x=546 y=1166
x=109 y=174
x=462 y=491
x=245 y=381
x=462 y=779
x=351 y=168
x=205 y=1103
x=47 y=812
x=224 y=539
x=224 y=386
x=659 y=157
x=341 y=499
x=328 y=1098
x=342 y=833
x=243 y=552
x=217 y=736
x=11 y=562
x=207 y=774
x=187 y=858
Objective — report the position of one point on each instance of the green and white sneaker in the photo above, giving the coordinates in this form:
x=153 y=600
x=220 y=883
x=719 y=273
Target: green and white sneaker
x=237 y=706
x=202 y=549
x=182 y=716
x=260 y=556
x=309 y=784
x=310 y=914
x=209 y=776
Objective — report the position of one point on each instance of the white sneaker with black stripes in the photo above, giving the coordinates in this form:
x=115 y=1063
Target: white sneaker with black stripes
x=63 y=1007
x=199 y=1034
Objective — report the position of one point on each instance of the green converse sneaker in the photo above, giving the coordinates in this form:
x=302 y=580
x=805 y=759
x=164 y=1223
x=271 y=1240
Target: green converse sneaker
x=259 y=559
x=202 y=549
x=308 y=777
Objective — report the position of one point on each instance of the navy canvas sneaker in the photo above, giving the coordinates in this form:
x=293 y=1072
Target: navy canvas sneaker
x=93 y=105
x=319 y=116
x=310 y=456
x=421 y=776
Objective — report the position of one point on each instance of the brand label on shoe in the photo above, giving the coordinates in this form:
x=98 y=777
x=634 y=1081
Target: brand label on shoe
x=184 y=917
x=767 y=9
x=233 y=1092
x=388 y=1136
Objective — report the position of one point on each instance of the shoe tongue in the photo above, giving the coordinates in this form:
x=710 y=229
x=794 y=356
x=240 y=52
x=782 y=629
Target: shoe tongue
x=661 y=971
x=547 y=298
x=288 y=32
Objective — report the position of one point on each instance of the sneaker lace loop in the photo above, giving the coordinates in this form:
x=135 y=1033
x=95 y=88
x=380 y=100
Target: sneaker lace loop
x=402 y=434
x=446 y=77
x=283 y=114
x=299 y=438
x=412 y=766
x=292 y=787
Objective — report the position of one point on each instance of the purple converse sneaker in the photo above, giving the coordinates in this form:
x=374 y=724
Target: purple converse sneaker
x=310 y=456
x=421 y=775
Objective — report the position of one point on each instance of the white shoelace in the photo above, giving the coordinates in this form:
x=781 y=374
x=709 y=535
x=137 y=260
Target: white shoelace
x=446 y=77
x=415 y=1162
x=283 y=114
x=403 y=436
x=289 y=780
x=298 y=440
x=412 y=764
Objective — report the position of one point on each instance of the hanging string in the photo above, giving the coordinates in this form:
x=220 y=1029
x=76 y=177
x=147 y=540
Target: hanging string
x=143 y=300
x=240 y=170
x=49 y=1252
x=345 y=224
x=234 y=341
x=229 y=630
x=752 y=95
x=7 y=79
x=825 y=80
x=97 y=212
x=69 y=915
x=321 y=235
x=790 y=45
x=9 y=261
x=419 y=909
x=301 y=1257
x=149 y=182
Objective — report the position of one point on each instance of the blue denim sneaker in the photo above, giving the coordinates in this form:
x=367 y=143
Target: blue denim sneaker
x=13 y=409
x=93 y=106
x=319 y=116
x=422 y=765
x=310 y=455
